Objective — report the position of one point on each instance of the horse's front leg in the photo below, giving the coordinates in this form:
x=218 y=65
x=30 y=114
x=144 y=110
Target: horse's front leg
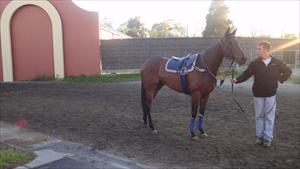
x=195 y=102
x=203 y=102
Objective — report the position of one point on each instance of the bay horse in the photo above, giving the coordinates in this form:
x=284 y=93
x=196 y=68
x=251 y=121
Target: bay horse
x=200 y=84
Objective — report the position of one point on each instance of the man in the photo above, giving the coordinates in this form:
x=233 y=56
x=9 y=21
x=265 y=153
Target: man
x=267 y=72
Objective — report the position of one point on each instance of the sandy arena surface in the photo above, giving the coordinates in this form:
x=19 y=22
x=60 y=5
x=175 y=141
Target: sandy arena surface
x=108 y=116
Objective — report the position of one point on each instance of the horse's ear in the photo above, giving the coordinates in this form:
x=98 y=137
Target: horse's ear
x=233 y=33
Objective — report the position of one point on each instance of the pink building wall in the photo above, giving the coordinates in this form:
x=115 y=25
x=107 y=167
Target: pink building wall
x=32 y=49
x=1 y=67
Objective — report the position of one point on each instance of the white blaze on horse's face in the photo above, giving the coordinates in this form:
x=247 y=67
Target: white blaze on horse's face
x=233 y=48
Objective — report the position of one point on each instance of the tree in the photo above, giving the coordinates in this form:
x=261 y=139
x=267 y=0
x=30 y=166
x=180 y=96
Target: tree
x=289 y=36
x=217 y=21
x=264 y=36
x=134 y=28
x=167 y=28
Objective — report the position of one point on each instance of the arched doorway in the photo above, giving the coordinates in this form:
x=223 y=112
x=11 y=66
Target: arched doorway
x=6 y=48
x=31 y=42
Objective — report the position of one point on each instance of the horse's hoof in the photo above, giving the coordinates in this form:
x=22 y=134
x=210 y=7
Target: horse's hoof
x=144 y=127
x=155 y=132
x=204 y=134
x=195 y=138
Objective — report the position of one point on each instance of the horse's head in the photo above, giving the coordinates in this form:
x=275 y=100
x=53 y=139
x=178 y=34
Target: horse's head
x=231 y=48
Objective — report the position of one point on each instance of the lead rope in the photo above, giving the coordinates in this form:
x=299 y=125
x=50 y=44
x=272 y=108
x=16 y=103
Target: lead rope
x=276 y=118
x=232 y=92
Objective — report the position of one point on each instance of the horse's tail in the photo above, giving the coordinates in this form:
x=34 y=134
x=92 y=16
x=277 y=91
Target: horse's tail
x=144 y=98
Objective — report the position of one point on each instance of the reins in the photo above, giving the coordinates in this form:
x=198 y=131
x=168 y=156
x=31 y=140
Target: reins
x=209 y=72
x=206 y=68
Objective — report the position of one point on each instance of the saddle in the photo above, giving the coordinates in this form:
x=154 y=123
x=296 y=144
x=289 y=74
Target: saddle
x=181 y=65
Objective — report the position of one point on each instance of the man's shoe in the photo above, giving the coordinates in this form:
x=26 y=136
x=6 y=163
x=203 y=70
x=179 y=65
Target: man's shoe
x=267 y=143
x=259 y=141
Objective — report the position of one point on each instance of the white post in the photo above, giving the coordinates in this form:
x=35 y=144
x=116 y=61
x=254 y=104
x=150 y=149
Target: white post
x=295 y=63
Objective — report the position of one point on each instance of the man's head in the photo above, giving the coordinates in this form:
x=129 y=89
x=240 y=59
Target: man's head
x=263 y=49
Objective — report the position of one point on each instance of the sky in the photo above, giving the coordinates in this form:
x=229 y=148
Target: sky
x=252 y=17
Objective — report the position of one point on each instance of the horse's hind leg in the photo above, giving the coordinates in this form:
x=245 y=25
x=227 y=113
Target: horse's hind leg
x=147 y=98
x=145 y=104
x=152 y=96
x=148 y=95
x=145 y=117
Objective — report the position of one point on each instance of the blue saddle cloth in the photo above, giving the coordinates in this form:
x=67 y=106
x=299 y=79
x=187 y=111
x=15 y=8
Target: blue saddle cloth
x=181 y=65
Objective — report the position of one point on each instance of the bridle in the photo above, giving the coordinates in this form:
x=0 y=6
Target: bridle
x=231 y=68
x=224 y=48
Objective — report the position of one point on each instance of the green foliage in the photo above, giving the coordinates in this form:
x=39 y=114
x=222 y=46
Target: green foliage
x=105 y=78
x=43 y=78
x=96 y=78
x=217 y=21
x=10 y=158
x=294 y=66
x=295 y=79
x=134 y=27
x=167 y=28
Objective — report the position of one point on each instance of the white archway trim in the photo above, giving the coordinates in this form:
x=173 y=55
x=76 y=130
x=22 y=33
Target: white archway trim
x=6 y=36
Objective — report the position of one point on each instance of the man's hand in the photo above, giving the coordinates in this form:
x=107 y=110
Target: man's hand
x=233 y=81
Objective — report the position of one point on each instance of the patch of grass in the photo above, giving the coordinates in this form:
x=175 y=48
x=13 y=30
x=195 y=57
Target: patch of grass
x=295 y=79
x=43 y=78
x=228 y=74
x=105 y=78
x=11 y=158
x=292 y=66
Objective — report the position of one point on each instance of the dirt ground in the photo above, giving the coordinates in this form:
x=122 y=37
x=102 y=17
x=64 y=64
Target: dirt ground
x=108 y=116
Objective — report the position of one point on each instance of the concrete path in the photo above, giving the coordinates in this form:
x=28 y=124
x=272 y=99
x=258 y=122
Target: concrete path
x=53 y=153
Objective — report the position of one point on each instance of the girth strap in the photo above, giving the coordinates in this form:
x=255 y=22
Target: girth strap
x=184 y=84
